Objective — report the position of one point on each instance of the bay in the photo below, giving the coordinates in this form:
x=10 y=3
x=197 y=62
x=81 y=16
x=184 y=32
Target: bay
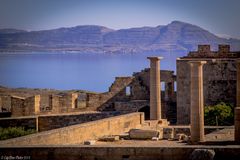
x=65 y=71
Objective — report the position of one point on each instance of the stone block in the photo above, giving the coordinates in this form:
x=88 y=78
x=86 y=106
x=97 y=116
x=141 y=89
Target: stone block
x=202 y=154
x=110 y=138
x=142 y=134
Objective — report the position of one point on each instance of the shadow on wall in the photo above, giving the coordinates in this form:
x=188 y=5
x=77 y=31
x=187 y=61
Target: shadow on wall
x=146 y=110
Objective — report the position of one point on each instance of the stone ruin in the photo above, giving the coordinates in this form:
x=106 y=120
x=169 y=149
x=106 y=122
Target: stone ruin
x=125 y=95
x=132 y=94
x=219 y=78
x=118 y=93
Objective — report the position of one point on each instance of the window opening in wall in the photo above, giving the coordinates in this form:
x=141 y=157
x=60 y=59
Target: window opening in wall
x=175 y=86
x=163 y=86
x=128 y=91
x=76 y=103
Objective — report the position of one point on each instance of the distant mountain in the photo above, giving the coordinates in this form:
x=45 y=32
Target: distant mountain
x=9 y=31
x=176 y=36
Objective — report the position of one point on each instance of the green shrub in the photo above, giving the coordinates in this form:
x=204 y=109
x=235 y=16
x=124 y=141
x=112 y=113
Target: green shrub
x=220 y=114
x=12 y=132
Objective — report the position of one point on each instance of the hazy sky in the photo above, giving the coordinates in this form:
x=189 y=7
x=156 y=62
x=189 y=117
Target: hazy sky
x=217 y=16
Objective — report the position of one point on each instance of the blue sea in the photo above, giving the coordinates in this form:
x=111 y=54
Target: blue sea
x=65 y=71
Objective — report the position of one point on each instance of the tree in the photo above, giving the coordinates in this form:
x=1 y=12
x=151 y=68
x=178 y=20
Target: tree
x=220 y=114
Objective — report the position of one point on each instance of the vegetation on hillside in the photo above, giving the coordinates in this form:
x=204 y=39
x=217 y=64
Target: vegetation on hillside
x=12 y=132
x=219 y=115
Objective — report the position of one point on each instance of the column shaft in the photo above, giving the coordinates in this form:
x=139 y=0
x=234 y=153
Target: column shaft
x=238 y=83
x=237 y=109
x=237 y=124
x=155 y=89
x=197 y=105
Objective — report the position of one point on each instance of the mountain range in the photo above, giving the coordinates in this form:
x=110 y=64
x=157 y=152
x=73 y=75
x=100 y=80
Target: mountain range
x=174 y=37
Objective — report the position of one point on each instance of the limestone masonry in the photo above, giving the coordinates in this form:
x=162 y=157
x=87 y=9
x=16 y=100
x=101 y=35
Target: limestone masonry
x=219 y=79
x=132 y=94
x=116 y=99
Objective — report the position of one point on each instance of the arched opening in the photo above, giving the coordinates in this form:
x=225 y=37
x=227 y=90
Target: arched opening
x=146 y=110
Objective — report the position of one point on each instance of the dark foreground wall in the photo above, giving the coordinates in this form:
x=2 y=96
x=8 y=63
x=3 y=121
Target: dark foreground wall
x=115 y=153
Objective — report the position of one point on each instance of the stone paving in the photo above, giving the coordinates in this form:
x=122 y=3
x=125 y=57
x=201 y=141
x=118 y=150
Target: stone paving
x=216 y=136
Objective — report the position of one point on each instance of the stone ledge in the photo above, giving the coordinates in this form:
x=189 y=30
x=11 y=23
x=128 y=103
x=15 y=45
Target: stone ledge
x=113 y=152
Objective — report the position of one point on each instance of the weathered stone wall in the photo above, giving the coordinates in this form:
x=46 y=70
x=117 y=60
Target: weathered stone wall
x=17 y=106
x=75 y=101
x=54 y=103
x=117 y=92
x=76 y=134
x=219 y=82
x=44 y=103
x=130 y=106
x=5 y=103
x=25 y=106
x=82 y=100
x=168 y=96
x=26 y=122
x=48 y=122
x=32 y=105
x=57 y=121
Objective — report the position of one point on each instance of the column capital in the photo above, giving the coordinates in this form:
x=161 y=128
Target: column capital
x=197 y=62
x=154 y=58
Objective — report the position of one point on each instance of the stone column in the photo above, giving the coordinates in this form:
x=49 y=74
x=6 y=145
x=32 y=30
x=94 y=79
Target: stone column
x=1 y=106
x=197 y=105
x=237 y=109
x=237 y=124
x=155 y=88
x=238 y=82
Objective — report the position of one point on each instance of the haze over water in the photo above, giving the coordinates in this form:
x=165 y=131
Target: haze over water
x=96 y=72
x=85 y=71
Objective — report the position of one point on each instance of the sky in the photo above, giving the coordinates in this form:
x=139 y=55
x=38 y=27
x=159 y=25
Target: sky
x=221 y=17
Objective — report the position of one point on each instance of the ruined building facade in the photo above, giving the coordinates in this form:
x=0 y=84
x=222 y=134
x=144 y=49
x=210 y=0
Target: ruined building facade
x=219 y=78
x=125 y=95
x=132 y=94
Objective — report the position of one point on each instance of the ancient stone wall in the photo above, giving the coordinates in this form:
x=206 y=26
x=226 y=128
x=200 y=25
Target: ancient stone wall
x=5 y=103
x=26 y=122
x=17 y=106
x=25 y=106
x=32 y=105
x=82 y=100
x=57 y=121
x=168 y=96
x=48 y=122
x=132 y=92
x=117 y=92
x=219 y=83
x=130 y=106
x=139 y=94
x=76 y=134
x=148 y=152
x=63 y=103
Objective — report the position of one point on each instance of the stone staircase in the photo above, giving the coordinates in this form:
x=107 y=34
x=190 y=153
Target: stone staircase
x=119 y=84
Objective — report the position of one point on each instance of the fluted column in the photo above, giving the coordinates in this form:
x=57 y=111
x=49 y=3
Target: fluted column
x=155 y=88
x=197 y=104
